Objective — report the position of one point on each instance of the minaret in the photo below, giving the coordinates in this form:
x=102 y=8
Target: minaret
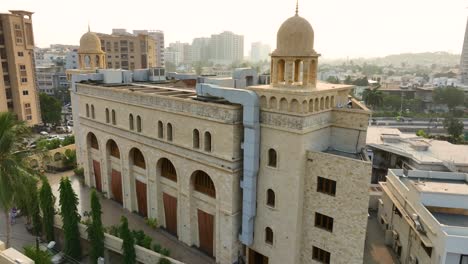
x=464 y=59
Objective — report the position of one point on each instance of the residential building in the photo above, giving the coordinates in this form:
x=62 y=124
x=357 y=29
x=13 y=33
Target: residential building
x=464 y=59
x=259 y=51
x=17 y=84
x=128 y=52
x=71 y=59
x=270 y=173
x=201 y=49
x=425 y=216
x=179 y=53
x=391 y=149
x=158 y=36
x=226 y=48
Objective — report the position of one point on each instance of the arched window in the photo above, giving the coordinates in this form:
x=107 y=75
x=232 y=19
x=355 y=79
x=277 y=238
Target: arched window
x=114 y=119
x=263 y=101
x=272 y=158
x=305 y=107
x=269 y=236
x=107 y=116
x=284 y=104
x=316 y=104
x=130 y=122
x=203 y=183
x=196 y=139
x=332 y=102
x=273 y=103
x=169 y=132
x=280 y=70
x=87 y=110
x=207 y=141
x=297 y=70
x=322 y=103
x=270 y=198
x=138 y=159
x=294 y=107
x=168 y=170
x=311 y=105
x=138 y=123
x=93 y=116
x=327 y=102
x=93 y=141
x=160 y=129
x=58 y=156
x=114 y=149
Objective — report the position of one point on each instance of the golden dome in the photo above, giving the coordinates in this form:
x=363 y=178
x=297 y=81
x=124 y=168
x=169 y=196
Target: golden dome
x=295 y=38
x=90 y=43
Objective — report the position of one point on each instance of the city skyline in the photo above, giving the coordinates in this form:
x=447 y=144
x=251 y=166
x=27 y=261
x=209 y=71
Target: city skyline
x=366 y=30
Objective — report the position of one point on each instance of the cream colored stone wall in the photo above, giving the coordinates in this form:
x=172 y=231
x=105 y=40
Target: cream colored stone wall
x=348 y=207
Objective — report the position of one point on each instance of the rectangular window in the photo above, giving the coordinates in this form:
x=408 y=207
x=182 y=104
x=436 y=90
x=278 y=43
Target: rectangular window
x=25 y=92
x=20 y=54
x=24 y=80
x=326 y=186
x=323 y=221
x=320 y=255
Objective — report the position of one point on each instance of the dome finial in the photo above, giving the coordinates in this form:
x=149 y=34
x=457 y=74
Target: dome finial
x=297 y=7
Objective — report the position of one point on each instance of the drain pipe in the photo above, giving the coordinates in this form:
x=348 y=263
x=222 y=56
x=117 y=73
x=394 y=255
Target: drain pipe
x=251 y=146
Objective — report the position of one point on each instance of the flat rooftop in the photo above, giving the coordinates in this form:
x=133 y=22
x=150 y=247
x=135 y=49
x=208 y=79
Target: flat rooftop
x=357 y=156
x=451 y=219
x=441 y=186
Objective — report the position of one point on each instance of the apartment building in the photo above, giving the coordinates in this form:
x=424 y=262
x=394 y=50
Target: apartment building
x=158 y=36
x=425 y=216
x=17 y=75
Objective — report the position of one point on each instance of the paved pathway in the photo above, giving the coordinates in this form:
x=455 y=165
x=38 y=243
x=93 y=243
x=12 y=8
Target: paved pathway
x=20 y=237
x=111 y=216
x=376 y=252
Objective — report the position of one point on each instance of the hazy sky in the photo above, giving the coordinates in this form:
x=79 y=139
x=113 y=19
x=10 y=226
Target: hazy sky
x=354 y=28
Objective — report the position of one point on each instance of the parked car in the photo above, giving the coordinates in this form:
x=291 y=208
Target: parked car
x=70 y=123
x=57 y=257
x=60 y=129
x=44 y=133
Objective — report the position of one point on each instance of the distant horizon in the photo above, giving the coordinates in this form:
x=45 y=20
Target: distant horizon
x=354 y=29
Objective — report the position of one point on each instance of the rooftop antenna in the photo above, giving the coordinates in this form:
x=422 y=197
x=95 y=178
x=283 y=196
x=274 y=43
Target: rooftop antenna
x=89 y=29
x=297 y=7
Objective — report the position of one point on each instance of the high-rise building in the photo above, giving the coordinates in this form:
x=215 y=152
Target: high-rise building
x=200 y=49
x=126 y=51
x=464 y=59
x=182 y=53
x=157 y=35
x=17 y=75
x=227 y=48
x=259 y=51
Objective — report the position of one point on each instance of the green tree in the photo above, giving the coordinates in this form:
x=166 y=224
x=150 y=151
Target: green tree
x=450 y=96
x=27 y=202
x=47 y=201
x=70 y=158
x=454 y=127
x=70 y=218
x=95 y=229
x=333 y=79
x=14 y=170
x=68 y=140
x=373 y=97
x=348 y=80
x=361 y=81
x=37 y=255
x=128 y=245
x=51 y=109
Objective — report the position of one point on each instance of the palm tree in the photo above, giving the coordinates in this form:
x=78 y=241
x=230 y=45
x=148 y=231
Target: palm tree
x=14 y=171
x=373 y=97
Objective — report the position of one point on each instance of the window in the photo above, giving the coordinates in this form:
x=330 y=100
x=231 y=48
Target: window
x=87 y=110
x=464 y=259
x=169 y=132
x=94 y=142
x=269 y=236
x=24 y=80
x=160 y=129
x=196 y=139
x=138 y=123
x=92 y=112
x=114 y=120
x=130 y=121
x=272 y=158
x=270 y=198
x=427 y=249
x=167 y=170
x=25 y=92
x=107 y=116
x=138 y=159
x=204 y=184
x=320 y=255
x=20 y=54
x=208 y=141
x=324 y=222
x=28 y=111
x=114 y=149
x=326 y=186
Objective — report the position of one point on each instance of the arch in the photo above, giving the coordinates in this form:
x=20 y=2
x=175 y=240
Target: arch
x=311 y=105
x=202 y=183
x=87 y=110
x=167 y=169
x=283 y=104
x=93 y=116
x=263 y=101
x=269 y=235
x=196 y=138
x=294 y=106
x=92 y=141
x=305 y=106
x=322 y=103
x=332 y=101
x=138 y=124
x=137 y=158
x=272 y=158
x=34 y=163
x=58 y=156
x=316 y=105
x=130 y=122
x=280 y=71
x=270 y=198
x=97 y=61
x=169 y=132
x=298 y=65
x=207 y=141
x=107 y=115
x=114 y=118
x=273 y=103
x=327 y=102
x=113 y=148
x=313 y=72
x=160 y=129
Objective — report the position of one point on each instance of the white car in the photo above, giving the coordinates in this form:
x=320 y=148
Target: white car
x=44 y=133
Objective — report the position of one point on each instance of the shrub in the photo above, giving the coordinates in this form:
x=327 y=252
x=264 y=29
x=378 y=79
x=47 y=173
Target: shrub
x=114 y=230
x=157 y=248
x=68 y=140
x=164 y=261
x=79 y=172
x=152 y=222
x=39 y=256
x=146 y=242
x=166 y=252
